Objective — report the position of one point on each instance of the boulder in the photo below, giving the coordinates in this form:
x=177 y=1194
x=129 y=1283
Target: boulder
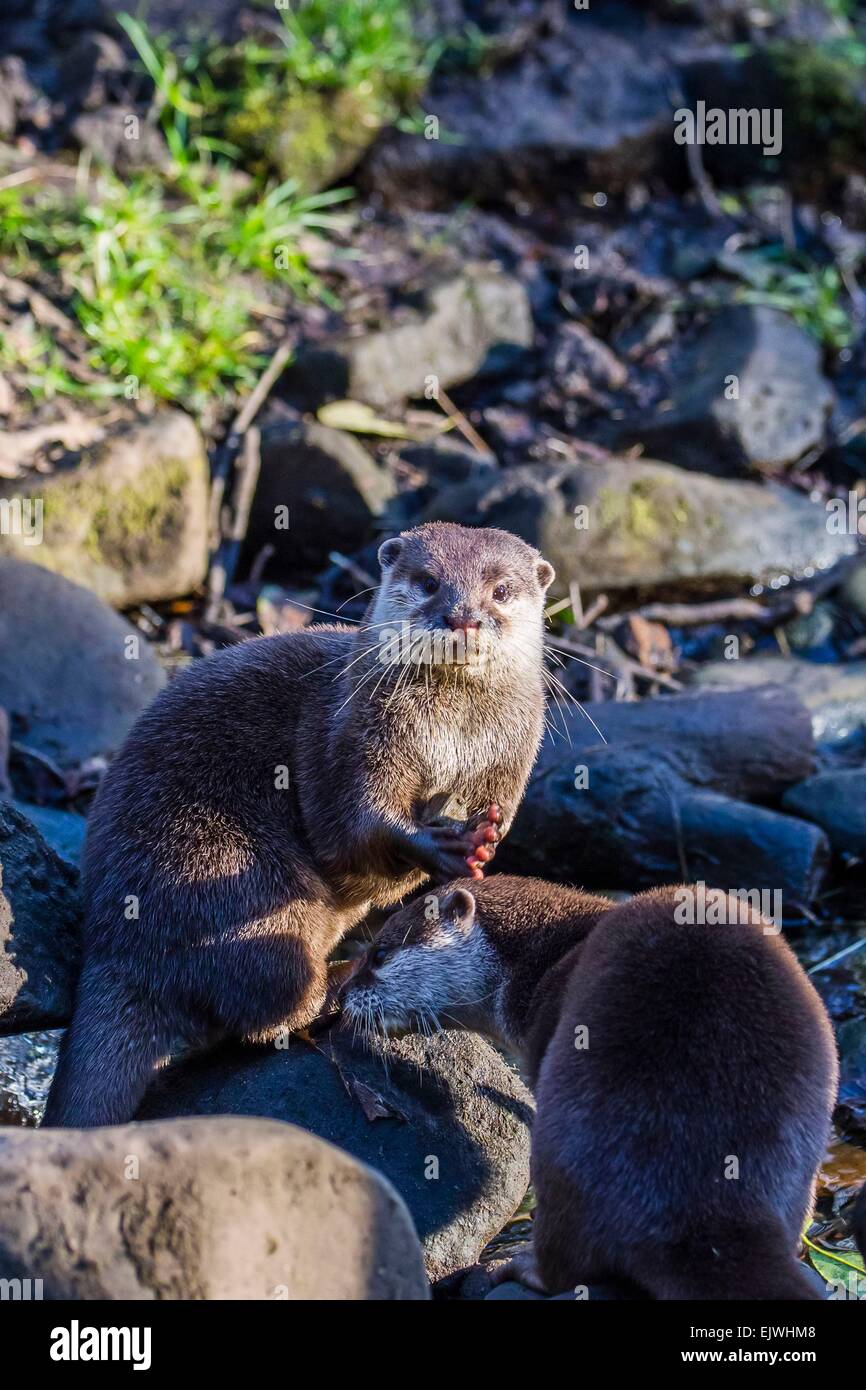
x=584 y=107
x=835 y=695
x=39 y=928
x=128 y=519
x=780 y=409
x=331 y=490
x=445 y=1119
x=648 y=527
x=837 y=802
x=465 y=325
x=74 y=676
x=201 y=1209
x=667 y=798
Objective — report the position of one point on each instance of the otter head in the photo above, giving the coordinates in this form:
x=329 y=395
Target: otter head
x=430 y=966
x=454 y=597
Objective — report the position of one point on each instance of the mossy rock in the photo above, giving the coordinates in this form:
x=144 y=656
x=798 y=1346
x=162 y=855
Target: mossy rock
x=129 y=519
x=314 y=137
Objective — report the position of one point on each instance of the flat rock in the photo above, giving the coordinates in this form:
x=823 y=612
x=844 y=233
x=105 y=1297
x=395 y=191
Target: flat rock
x=837 y=802
x=129 y=519
x=779 y=413
x=583 y=107
x=328 y=487
x=39 y=928
x=462 y=323
x=447 y=1123
x=201 y=1209
x=835 y=695
x=648 y=527
x=74 y=676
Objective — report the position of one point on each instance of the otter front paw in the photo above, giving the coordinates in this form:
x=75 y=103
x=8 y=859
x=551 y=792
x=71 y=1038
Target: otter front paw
x=461 y=851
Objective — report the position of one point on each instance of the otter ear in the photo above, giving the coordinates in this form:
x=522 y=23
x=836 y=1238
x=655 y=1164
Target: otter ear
x=545 y=574
x=458 y=909
x=388 y=552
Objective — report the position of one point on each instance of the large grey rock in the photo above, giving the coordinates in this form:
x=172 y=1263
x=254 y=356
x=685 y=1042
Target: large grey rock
x=201 y=1209
x=648 y=526
x=327 y=484
x=781 y=408
x=584 y=107
x=444 y=1118
x=834 y=695
x=450 y=338
x=129 y=519
x=66 y=677
x=39 y=926
x=837 y=802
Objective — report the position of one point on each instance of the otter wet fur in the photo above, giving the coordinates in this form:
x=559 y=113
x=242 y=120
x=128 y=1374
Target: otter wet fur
x=684 y=1076
x=276 y=791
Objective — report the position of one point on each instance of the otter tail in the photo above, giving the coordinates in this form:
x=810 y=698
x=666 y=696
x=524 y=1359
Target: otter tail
x=749 y=1265
x=107 y=1055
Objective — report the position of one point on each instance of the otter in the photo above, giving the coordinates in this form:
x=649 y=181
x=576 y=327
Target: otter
x=684 y=1076
x=278 y=790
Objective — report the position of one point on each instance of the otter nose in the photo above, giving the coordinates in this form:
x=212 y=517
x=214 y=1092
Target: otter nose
x=461 y=622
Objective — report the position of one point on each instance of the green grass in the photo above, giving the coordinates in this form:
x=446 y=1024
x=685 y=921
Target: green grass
x=812 y=294
x=211 y=98
x=155 y=277
x=161 y=273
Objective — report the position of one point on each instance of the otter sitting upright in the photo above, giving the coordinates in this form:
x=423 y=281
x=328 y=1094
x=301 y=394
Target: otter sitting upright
x=684 y=1075
x=277 y=790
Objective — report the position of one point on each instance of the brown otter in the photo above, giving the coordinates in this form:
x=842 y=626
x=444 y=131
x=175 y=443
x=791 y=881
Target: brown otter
x=277 y=790
x=684 y=1075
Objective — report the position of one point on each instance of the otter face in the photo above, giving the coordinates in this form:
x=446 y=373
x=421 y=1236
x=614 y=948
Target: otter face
x=453 y=597
x=430 y=966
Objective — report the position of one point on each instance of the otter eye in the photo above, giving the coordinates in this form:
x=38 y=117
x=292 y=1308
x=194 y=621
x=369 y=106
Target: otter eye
x=502 y=593
x=429 y=583
x=378 y=955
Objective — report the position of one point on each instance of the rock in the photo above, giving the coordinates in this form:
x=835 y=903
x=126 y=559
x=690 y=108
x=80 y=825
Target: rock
x=462 y=325
x=201 y=1209
x=65 y=678
x=647 y=527
x=312 y=136
x=783 y=403
x=837 y=802
x=584 y=107
x=447 y=1122
x=334 y=490
x=27 y=1063
x=103 y=134
x=666 y=798
x=129 y=520
x=583 y=367
x=835 y=695
x=39 y=928
x=64 y=831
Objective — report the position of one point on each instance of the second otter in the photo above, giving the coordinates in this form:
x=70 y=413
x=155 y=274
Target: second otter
x=277 y=790
x=684 y=1075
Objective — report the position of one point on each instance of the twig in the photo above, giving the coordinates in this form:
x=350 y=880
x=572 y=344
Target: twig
x=466 y=429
